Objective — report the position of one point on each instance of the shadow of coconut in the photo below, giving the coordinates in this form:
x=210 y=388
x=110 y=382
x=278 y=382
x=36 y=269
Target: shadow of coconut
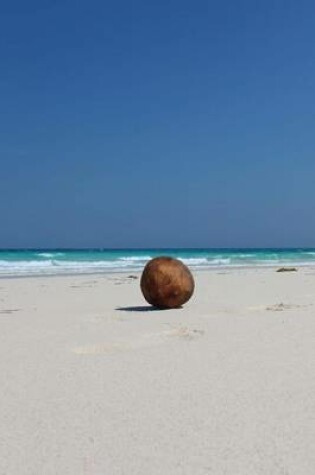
x=139 y=308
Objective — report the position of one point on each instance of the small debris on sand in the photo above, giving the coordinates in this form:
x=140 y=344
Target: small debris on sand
x=279 y=307
x=287 y=269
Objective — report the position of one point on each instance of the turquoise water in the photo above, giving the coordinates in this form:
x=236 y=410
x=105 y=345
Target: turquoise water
x=89 y=261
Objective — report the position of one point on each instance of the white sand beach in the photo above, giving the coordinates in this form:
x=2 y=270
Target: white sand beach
x=94 y=382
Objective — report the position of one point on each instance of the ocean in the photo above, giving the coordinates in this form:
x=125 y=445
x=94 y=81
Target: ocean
x=37 y=262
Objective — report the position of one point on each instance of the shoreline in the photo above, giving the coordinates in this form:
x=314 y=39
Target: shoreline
x=212 y=269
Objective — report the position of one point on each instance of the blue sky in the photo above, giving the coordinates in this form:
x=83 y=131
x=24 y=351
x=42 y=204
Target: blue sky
x=157 y=124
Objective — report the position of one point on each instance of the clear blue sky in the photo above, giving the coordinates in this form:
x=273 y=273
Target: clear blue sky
x=166 y=123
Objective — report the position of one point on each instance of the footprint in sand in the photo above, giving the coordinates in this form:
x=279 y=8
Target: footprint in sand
x=280 y=307
x=116 y=347
x=83 y=286
x=123 y=280
x=257 y=308
x=100 y=349
x=145 y=341
x=184 y=332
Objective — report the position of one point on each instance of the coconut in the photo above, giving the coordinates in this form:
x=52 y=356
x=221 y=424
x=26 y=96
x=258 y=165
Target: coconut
x=167 y=283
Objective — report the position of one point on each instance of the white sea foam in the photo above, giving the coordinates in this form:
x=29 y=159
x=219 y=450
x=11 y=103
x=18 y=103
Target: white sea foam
x=193 y=261
x=220 y=262
x=135 y=258
x=50 y=254
x=53 y=266
x=47 y=263
x=21 y=264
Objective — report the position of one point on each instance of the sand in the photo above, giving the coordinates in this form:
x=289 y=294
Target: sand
x=94 y=382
